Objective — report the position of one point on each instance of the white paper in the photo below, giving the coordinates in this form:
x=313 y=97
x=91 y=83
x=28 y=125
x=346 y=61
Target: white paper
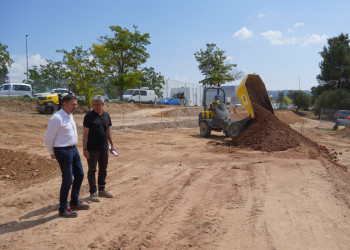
x=113 y=152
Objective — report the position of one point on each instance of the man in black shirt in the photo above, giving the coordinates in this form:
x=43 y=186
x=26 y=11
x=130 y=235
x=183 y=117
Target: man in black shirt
x=97 y=133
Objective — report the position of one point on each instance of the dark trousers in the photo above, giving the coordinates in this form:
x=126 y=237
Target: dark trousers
x=100 y=157
x=70 y=163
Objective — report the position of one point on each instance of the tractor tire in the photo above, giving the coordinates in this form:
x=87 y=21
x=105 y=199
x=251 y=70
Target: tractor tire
x=234 y=129
x=49 y=110
x=205 y=130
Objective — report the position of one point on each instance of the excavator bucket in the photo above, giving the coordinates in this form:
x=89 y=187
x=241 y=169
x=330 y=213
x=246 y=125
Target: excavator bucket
x=252 y=89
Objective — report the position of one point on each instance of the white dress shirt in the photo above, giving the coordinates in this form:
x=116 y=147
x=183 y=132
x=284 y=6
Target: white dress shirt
x=61 y=131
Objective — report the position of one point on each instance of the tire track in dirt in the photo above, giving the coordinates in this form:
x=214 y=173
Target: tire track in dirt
x=172 y=208
x=249 y=207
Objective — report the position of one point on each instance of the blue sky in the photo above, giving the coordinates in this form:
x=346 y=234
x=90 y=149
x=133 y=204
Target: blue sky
x=279 y=40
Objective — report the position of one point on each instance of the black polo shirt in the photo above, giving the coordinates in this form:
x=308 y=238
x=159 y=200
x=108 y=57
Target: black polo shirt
x=98 y=130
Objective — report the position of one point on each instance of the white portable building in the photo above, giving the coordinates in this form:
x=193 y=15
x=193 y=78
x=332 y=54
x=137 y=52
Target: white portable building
x=192 y=93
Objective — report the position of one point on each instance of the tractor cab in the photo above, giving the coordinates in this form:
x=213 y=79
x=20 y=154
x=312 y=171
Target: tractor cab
x=216 y=115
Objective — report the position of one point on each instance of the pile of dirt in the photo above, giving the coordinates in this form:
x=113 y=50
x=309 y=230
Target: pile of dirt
x=345 y=132
x=267 y=133
x=18 y=104
x=190 y=123
x=179 y=112
x=24 y=169
x=162 y=114
x=288 y=117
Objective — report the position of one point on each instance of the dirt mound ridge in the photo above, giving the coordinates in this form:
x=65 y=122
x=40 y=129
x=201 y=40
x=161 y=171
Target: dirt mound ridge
x=25 y=169
x=288 y=116
x=190 y=123
x=17 y=104
x=345 y=132
x=267 y=133
x=179 y=112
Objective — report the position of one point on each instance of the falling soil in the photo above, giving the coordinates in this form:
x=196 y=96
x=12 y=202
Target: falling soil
x=267 y=133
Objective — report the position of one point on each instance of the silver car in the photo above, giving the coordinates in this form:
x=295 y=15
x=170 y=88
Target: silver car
x=341 y=114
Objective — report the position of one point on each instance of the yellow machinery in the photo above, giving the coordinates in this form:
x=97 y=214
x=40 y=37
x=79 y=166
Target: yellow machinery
x=47 y=104
x=251 y=89
x=215 y=118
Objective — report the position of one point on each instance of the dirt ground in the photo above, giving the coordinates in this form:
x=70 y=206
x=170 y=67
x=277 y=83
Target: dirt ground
x=176 y=190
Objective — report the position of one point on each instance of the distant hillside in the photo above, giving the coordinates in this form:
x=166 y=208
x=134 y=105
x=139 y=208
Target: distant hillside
x=274 y=93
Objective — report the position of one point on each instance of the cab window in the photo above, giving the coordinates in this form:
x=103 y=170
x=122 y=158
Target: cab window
x=21 y=88
x=129 y=92
x=5 y=87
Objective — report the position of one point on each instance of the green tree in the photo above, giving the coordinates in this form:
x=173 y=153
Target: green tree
x=300 y=99
x=335 y=67
x=36 y=80
x=153 y=80
x=281 y=100
x=5 y=63
x=51 y=75
x=332 y=99
x=121 y=55
x=213 y=65
x=82 y=70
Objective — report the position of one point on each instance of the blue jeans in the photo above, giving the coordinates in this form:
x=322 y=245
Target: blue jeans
x=70 y=163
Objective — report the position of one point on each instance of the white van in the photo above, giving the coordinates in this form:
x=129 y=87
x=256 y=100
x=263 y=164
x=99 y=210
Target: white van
x=16 y=90
x=143 y=95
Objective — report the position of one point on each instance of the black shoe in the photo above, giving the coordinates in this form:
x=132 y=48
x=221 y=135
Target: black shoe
x=68 y=213
x=80 y=206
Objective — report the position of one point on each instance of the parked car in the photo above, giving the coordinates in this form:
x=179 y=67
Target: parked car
x=169 y=101
x=341 y=114
x=143 y=95
x=16 y=90
x=82 y=98
x=341 y=122
x=60 y=91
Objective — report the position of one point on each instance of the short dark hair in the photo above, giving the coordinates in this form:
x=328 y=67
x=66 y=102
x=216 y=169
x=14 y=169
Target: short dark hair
x=68 y=98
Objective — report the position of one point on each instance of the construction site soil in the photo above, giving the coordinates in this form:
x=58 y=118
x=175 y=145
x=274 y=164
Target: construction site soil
x=283 y=183
x=267 y=133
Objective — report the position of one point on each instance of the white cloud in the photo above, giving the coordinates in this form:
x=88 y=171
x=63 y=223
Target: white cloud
x=229 y=58
x=262 y=15
x=243 y=33
x=181 y=79
x=314 y=38
x=298 y=25
x=276 y=38
x=19 y=66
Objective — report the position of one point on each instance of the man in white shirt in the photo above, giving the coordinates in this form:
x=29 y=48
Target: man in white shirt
x=60 y=140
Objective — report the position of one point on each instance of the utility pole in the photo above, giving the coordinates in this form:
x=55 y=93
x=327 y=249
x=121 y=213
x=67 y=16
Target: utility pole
x=27 y=56
x=299 y=83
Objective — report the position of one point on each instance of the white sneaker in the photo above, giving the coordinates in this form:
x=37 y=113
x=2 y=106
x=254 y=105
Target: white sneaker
x=94 y=197
x=105 y=194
